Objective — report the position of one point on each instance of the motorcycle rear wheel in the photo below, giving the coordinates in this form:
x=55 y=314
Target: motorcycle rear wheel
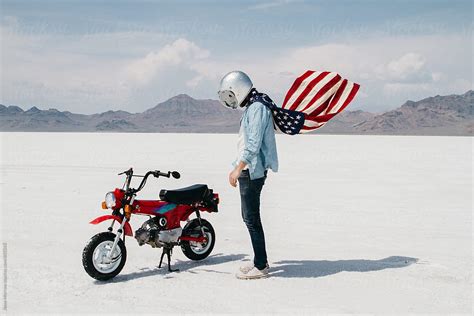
x=198 y=251
x=94 y=258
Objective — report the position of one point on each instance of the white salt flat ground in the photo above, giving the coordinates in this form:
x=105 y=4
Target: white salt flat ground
x=354 y=224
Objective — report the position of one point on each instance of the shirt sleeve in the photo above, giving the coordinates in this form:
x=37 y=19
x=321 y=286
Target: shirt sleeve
x=257 y=121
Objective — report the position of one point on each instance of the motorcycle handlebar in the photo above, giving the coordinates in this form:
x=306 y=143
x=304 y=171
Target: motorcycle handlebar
x=174 y=174
x=156 y=174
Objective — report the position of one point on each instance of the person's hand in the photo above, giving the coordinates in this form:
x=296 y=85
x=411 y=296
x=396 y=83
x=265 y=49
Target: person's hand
x=233 y=176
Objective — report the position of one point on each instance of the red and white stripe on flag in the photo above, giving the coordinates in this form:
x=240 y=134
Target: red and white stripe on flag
x=320 y=95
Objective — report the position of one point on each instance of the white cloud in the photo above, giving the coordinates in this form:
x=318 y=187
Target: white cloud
x=406 y=65
x=270 y=4
x=180 y=52
x=409 y=68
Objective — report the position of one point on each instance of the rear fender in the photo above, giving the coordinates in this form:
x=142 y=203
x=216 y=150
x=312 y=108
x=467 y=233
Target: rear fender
x=211 y=203
x=127 y=228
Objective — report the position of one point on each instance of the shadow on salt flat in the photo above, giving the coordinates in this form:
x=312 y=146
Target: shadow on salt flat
x=321 y=268
x=282 y=269
x=209 y=261
x=183 y=266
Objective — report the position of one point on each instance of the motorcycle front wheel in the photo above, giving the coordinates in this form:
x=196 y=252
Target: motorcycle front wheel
x=195 y=250
x=95 y=257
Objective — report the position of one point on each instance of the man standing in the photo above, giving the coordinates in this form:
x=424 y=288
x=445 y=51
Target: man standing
x=256 y=153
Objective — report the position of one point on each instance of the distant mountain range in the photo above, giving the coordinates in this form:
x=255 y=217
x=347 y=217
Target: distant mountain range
x=439 y=115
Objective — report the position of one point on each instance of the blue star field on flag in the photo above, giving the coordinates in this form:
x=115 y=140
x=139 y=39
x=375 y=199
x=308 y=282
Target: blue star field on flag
x=288 y=121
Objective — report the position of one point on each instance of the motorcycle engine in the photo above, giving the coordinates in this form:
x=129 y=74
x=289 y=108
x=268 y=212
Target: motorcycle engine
x=151 y=232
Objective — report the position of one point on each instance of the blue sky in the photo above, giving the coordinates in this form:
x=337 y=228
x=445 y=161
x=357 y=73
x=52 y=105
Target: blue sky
x=91 y=56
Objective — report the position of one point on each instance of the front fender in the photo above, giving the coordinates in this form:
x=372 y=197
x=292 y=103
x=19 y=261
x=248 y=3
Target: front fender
x=127 y=228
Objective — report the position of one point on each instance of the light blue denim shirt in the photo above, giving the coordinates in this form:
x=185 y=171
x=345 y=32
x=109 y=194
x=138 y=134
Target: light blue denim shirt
x=260 y=152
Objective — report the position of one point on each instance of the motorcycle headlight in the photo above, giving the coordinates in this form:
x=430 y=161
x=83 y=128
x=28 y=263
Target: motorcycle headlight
x=110 y=200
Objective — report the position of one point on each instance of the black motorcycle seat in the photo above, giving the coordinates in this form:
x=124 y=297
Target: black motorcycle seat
x=187 y=195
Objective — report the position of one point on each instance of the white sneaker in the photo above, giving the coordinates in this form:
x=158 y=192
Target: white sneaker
x=245 y=268
x=254 y=273
x=248 y=266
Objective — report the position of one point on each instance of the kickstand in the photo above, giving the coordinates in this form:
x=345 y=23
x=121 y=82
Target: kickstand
x=167 y=252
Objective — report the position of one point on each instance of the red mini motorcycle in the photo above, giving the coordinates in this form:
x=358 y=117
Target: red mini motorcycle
x=105 y=254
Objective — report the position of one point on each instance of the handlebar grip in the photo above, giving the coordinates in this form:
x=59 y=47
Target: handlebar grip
x=174 y=174
x=157 y=174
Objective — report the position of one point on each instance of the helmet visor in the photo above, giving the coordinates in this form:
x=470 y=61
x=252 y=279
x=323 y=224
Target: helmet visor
x=228 y=99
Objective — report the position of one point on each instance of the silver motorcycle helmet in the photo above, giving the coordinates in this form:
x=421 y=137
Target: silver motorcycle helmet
x=234 y=88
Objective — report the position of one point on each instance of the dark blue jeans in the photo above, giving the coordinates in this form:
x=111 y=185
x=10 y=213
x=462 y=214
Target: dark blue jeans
x=250 y=202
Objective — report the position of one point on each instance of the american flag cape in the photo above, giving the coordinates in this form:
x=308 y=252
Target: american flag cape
x=314 y=98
